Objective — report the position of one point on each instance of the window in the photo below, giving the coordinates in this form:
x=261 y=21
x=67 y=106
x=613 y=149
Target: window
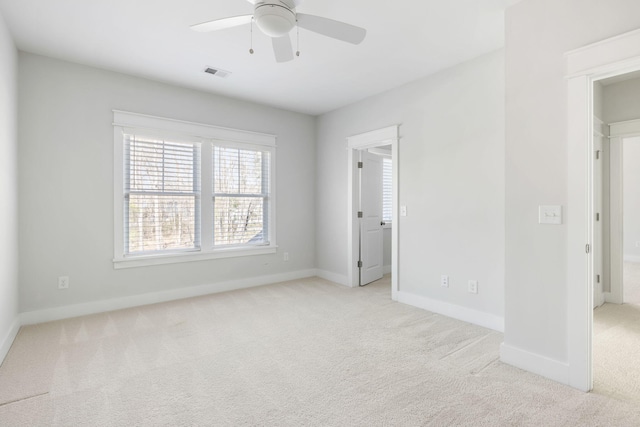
x=241 y=196
x=186 y=191
x=387 y=177
x=161 y=195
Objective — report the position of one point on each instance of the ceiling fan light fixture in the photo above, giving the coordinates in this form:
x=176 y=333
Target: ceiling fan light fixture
x=274 y=20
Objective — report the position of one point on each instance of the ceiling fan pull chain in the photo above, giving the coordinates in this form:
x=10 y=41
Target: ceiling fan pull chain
x=297 y=39
x=251 y=45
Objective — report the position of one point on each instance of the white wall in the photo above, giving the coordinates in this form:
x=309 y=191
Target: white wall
x=538 y=33
x=631 y=197
x=598 y=100
x=8 y=191
x=66 y=183
x=386 y=248
x=451 y=166
x=621 y=101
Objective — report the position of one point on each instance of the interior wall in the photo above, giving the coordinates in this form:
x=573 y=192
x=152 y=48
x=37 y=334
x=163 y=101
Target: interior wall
x=451 y=178
x=66 y=183
x=386 y=249
x=621 y=101
x=631 y=197
x=538 y=33
x=598 y=100
x=8 y=190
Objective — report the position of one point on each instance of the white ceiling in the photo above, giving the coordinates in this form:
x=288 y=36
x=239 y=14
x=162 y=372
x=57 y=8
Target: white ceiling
x=406 y=39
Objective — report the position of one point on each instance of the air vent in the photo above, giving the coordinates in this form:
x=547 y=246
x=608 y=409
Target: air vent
x=217 y=72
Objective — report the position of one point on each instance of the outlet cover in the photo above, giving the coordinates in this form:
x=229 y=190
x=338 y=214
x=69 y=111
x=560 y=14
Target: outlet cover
x=473 y=286
x=444 y=281
x=63 y=282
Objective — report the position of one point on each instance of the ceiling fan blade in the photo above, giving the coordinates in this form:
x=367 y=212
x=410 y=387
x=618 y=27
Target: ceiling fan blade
x=282 y=48
x=330 y=28
x=221 y=24
x=296 y=3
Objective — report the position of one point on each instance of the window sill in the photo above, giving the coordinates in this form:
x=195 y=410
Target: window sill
x=387 y=225
x=148 y=260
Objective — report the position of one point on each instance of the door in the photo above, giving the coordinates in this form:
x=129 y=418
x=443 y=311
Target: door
x=371 y=222
x=598 y=290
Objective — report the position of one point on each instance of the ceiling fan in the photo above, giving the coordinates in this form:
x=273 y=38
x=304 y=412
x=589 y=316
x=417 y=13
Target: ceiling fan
x=276 y=18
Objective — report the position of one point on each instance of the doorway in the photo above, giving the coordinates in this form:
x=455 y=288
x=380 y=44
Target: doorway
x=616 y=323
x=365 y=232
x=374 y=212
x=584 y=66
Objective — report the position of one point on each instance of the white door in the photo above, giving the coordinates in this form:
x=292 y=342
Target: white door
x=371 y=222
x=598 y=278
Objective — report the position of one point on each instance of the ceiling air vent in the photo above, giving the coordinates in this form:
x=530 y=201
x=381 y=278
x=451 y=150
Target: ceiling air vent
x=217 y=72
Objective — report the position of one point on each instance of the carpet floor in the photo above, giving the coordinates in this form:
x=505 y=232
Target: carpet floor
x=616 y=342
x=305 y=352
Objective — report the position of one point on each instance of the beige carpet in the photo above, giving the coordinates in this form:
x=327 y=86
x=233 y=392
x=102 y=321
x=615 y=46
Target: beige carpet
x=616 y=351
x=298 y=353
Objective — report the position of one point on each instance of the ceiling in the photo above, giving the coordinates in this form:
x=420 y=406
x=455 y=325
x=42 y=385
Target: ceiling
x=406 y=40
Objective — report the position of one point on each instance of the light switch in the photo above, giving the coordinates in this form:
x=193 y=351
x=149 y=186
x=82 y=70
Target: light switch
x=403 y=210
x=550 y=214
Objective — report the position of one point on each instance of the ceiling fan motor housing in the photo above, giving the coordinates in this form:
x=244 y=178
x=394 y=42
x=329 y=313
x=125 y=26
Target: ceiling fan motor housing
x=274 y=18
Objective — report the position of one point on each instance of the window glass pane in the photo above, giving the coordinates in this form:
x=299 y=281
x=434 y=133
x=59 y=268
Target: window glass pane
x=226 y=170
x=159 y=222
x=238 y=220
x=241 y=194
x=162 y=185
x=161 y=166
x=239 y=171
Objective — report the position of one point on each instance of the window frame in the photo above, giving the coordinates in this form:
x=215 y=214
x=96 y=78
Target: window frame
x=208 y=136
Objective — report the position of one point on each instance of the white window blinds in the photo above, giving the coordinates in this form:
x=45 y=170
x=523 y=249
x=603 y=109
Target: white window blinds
x=161 y=195
x=387 y=176
x=241 y=196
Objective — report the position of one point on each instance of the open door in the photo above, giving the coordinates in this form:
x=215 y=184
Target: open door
x=371 y=237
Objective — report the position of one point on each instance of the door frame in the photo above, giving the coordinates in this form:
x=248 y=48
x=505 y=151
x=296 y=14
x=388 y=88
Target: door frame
x=600 y=251
x=584 y=66
x=385 y=136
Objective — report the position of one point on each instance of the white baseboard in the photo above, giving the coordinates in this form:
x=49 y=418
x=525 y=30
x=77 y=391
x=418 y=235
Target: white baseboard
x=6 y=343
x=333 y=277
x=465 y=314
x=541 y=365
x=65 y=312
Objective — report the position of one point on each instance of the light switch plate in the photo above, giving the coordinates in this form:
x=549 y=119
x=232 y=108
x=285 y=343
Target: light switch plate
x=550 y=214
x=403 y=210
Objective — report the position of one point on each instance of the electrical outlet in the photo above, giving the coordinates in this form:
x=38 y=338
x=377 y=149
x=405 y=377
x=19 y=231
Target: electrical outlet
x=444 y=281
x=473 y=286
x=63 y=282
x=286 y=256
